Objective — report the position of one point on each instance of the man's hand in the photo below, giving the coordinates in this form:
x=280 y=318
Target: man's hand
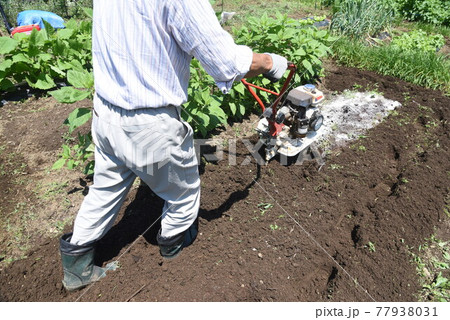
x=272 y=66
x=279 y=66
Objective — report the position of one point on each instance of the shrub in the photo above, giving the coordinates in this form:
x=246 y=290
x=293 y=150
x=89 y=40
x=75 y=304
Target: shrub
x=431 y=11
x=298 y=40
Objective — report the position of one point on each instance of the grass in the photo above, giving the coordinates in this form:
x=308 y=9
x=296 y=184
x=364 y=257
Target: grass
x=264 y=207
x=19 y=230
x=433 y=267
x=427 y=27
x=425 y=69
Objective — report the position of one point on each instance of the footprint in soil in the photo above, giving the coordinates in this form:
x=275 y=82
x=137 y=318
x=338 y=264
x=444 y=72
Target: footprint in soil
x=357 y=236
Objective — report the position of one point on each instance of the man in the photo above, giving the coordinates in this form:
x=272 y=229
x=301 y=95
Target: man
x=141 y=54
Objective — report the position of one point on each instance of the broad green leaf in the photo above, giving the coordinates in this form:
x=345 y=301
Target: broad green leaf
x=70 y=24
x=240 y=88
x=43 y=82
x=233 y=108
x=65 y=33
x=216 y=101
x=5 y=64
x=66 y=151
x=76 y=65
x=89 y=169
x=69 y=94
x=85 y=26
x=264 y=95
x=48 y=30
x=58 y=71
x=80 y=79
x=265 y=81
x=313 y=43
x=45 y=57
x=202 y=130
x=321 y=33
x=71 y=164
x=6 y=84
x=206 y=96
x=7 y=45
x=241 y=109
x=202 y=118
x=300 y=52
x=21 y=36
x=89 y=12
x=77 y=118
x=315 y=60
x=41 y=37
x=441 y=281
x=63 y=65
x=32 y=40
x=59 y=164
x=91 y=147
x=308 y=66
x=219 y=114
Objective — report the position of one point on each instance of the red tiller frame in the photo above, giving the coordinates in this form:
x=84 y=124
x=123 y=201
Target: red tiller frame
x=275 y=128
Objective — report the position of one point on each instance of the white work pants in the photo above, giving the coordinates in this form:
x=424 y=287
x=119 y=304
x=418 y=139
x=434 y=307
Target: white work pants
x=153 y=144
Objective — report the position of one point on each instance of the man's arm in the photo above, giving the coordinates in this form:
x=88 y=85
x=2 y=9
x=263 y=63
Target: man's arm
x=261 y=63
x=271 y=65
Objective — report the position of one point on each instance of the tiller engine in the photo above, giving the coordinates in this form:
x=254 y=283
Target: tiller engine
x=292 y=127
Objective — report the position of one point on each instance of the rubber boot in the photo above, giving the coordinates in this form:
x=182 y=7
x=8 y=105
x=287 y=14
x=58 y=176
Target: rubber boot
x=171 y=247
x=78 y=264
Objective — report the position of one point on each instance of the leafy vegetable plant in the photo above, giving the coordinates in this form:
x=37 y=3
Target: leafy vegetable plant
x=419 y=40
x=48 y=59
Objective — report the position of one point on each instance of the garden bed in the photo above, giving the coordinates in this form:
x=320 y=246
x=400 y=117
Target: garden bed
x=344 y=231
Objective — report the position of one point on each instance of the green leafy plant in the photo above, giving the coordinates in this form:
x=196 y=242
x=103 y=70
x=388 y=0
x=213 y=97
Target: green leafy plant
x=431 y=11
x=81 y=152
x=264 y=207
x=274 y=227
x=297 y=40
x=207 y=108
x=433 y=264
x=371 y=246
x=47 y=59
x=419 y=40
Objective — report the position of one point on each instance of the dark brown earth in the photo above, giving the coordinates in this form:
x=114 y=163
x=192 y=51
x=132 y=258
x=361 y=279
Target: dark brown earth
x=343 y=231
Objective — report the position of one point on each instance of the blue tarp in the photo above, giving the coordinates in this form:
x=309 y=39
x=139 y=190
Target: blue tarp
x=28 y=17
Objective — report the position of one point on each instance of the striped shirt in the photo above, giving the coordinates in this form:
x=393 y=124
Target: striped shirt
x=142 y=50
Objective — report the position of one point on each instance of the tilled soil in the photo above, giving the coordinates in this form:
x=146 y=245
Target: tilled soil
x=342 y=231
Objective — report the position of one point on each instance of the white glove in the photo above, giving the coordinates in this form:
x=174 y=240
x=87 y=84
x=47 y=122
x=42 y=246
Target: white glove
x=279 y=66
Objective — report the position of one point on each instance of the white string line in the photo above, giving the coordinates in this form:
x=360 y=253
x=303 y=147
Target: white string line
x=130 y=246
x=315 y=241
x=301 y=227
x=296 y=222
